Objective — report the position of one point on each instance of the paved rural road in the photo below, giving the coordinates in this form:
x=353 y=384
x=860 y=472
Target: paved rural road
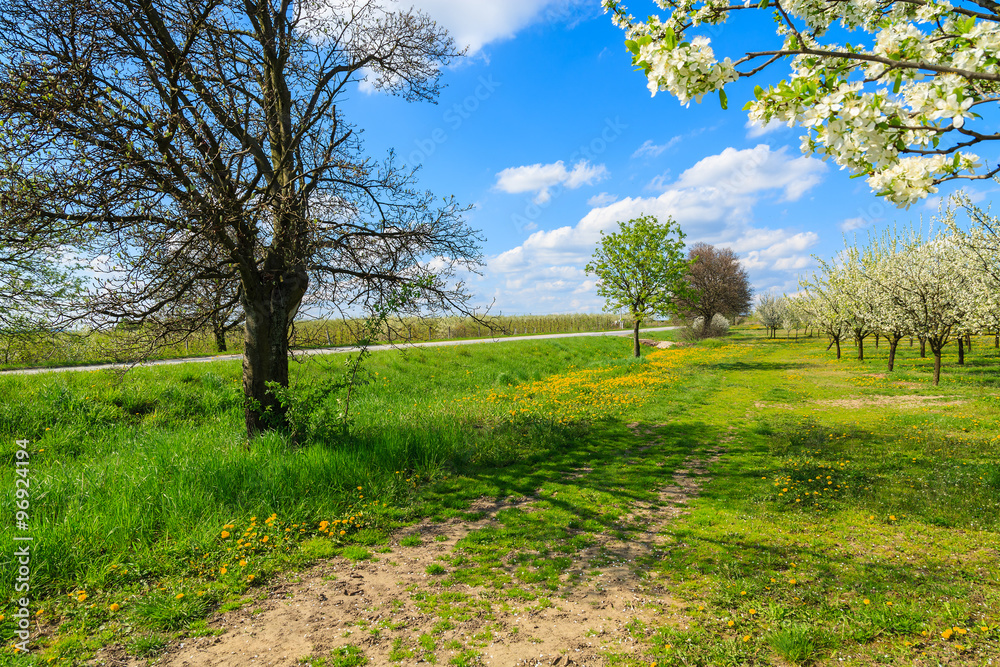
x=335 y=350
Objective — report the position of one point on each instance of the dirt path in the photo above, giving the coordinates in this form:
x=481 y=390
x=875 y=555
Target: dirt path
x=394 y=613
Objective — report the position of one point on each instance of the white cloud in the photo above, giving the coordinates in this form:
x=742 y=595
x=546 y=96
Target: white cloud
x=660 y=182
x=650 y=149
x=367 y=84
x=476 y=24
x=602 y=199
x=755 y=129
x=753 y=170
x=850 y=224
x=540 y=178
x=713 y=201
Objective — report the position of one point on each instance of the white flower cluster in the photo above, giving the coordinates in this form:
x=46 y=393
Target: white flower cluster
x=888 y=112
x=687 y=71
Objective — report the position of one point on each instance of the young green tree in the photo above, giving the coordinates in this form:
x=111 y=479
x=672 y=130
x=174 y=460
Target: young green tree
x=642 y=268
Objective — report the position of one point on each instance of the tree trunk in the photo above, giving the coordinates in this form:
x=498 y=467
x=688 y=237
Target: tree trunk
x=876 y=341
x=923 y=348
x=838 y=347
x=893 y=342
x=861 y=349
x=996 y=340
x=270 y=306
x=937 y=367
x=961 y=351
x=220 y=339
x=635 y=339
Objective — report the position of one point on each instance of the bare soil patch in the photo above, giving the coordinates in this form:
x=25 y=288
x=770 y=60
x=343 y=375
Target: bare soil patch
x=380 y=605
x=905 y=401
x=881 y=400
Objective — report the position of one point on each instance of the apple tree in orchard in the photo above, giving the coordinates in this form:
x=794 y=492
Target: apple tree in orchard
x=903 y=103
x=641 y=268
x=204 y=143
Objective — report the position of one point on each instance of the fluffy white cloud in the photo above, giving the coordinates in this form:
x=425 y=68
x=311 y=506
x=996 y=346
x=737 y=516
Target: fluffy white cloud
x=713 y=201
x=851 y=224
x=602 y=199
x=755 y=129
x=650 y=149
x=540 y=178
x=755 y=169
x=476 y=24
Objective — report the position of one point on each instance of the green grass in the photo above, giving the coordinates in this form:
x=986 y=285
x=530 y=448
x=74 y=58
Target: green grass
x=851 y=516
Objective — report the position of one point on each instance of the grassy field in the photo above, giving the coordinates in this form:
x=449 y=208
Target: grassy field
x=851 y=517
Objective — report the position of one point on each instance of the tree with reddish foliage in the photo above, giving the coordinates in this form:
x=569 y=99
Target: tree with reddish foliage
x=717 y=284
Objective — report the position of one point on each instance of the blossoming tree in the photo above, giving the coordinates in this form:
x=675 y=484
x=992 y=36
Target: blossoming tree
x=822 y=309
x=901 y=103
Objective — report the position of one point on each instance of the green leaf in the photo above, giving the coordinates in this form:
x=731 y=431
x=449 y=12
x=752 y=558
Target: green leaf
x=897 y=84
x=632 y=46
x=758 y=92
x=722 y=99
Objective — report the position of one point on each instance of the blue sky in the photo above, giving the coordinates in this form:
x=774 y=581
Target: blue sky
x=545 y=128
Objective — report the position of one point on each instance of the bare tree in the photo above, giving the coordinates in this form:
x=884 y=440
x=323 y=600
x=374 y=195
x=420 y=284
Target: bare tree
x=207 y=135
x=717 y=284
x=39 y=277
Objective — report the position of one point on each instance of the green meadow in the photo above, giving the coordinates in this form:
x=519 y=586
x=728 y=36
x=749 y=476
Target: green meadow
x=847 y=517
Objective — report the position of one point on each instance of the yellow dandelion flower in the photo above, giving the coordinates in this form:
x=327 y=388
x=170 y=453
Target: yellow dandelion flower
x=179 y=596
x=867 y=601
x=225 y=534
x=947 y=634
x=746 y=638
x=753 y=611
x=730 y=624
x=223 y=570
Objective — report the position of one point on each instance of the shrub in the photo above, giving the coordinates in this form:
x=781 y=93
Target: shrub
x=719 y=326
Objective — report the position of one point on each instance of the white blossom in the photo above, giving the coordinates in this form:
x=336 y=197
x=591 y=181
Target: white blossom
x=896 y=112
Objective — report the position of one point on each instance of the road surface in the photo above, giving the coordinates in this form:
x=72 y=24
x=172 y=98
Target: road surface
x=335 y=350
